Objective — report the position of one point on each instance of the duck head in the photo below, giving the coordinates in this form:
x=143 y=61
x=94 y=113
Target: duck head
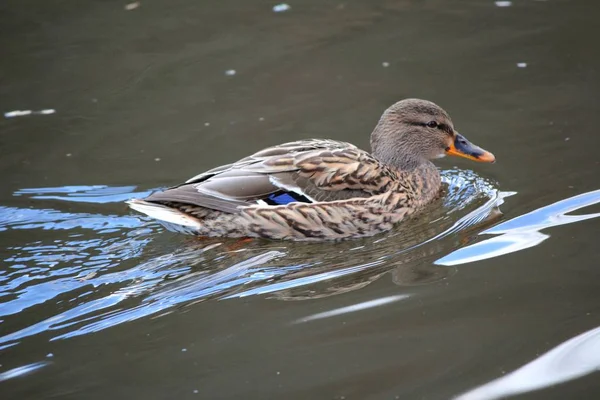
x=413 y=131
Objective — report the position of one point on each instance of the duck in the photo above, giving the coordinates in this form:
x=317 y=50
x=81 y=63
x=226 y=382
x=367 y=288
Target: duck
x=320 y=189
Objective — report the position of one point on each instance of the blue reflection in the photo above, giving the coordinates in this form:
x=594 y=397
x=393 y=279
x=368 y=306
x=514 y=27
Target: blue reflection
x=27 y=218
x=85 y=194
x=523 y=232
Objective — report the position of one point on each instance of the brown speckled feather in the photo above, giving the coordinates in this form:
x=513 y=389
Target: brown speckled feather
x=322 y=170
x=352 y=194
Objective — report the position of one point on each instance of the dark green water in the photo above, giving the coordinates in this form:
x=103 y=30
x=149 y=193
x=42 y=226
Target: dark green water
x=100 y=302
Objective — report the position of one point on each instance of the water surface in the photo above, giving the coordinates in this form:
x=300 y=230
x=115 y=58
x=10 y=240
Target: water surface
x=492 y=293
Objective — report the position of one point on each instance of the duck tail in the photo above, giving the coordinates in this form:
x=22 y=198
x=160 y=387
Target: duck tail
x=171 y=218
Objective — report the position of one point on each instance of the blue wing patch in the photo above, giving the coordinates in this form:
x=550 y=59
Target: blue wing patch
x=283 y=198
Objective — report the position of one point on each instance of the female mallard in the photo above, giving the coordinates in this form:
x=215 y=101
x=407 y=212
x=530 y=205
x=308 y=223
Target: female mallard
x=320 y=189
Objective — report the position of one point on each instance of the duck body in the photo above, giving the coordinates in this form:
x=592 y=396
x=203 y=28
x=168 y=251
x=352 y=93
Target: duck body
x=315 y=189
x=312 y=189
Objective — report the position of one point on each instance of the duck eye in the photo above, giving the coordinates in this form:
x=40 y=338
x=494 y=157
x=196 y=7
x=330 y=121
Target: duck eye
x=432 y=124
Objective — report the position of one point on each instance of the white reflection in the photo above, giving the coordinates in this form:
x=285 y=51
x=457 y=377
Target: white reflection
x=523 y=232
x=20 y=371
x=354 y=307
x=572 y=359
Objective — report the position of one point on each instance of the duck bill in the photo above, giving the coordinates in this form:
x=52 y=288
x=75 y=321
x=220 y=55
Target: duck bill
x=463 y=148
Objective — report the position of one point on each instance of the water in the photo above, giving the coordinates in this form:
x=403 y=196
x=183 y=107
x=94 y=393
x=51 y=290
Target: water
x=492 y=292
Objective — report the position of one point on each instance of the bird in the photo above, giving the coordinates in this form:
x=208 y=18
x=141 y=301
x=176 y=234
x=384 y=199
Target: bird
x=320 y=189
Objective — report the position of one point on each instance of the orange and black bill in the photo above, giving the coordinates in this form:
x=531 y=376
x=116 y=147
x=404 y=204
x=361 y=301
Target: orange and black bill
x=463 y=148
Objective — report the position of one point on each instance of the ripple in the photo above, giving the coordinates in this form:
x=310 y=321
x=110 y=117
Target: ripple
x=365 y=305
x=570 y=360
x=85 y=194
x=105 y=270
x=523 y=232
x=22 y=371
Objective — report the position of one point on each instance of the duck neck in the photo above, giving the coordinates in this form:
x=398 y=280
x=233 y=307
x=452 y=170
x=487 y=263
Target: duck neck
x=427 y=181
x=402 y=162
x=418 y=172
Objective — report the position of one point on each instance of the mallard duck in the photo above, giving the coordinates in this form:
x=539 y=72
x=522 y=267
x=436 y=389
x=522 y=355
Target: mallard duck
x=320 y=189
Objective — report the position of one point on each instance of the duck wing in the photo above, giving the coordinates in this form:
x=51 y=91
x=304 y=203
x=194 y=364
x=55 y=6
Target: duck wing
x=307 y=171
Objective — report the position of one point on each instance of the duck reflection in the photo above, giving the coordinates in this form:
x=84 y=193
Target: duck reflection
x=316 y=270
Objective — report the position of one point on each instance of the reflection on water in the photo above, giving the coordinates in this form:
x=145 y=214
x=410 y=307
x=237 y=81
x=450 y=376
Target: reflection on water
x=354 y=307
x=104 y=270
x=523 y=232
x=572 y=359
x=84 y=194
x=22 y=371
